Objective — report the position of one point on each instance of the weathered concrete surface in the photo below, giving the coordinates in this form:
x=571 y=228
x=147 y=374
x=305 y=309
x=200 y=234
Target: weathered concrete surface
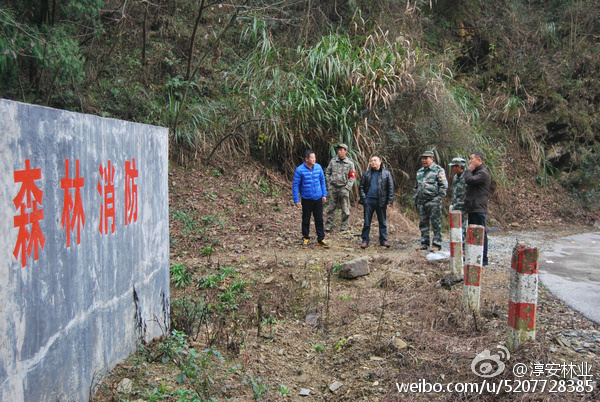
x=571 y=271
x=69 y=313
x=456 y=244
x=472 y=269
x=522 y=296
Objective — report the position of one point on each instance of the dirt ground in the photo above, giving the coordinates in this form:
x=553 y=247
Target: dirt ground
x=282 y=323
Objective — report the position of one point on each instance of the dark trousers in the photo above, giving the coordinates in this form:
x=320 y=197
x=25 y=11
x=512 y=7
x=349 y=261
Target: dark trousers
x=479 y=219
x=381 y=214
x=315 y=208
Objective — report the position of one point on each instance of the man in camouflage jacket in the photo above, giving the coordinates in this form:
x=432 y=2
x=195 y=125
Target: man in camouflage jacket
x=340 y=178
x=458 y=191
x=430 y=189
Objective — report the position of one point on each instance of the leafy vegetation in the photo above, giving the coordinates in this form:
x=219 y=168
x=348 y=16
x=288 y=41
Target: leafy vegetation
x=180 y=276
x=201 y=370
x=270 y=79
x=585 y=183
x=189 y=316
x=319 y=95
x=186 y=219
x=385 y=77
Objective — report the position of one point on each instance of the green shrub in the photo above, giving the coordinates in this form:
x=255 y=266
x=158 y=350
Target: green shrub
x=188 y=315
x=584 y=182
x=202 y=370
x=188 y=221
x=180 y=276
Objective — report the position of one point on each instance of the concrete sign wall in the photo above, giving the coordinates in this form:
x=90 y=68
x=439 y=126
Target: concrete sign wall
x=84 y=248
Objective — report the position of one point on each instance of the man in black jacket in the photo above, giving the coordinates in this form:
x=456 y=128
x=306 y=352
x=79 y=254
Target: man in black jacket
x=477 y=179
x=376 y=194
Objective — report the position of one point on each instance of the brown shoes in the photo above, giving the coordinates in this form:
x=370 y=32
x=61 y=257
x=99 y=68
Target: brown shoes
x=421 y=248
x=385 y=244
x=364 y=244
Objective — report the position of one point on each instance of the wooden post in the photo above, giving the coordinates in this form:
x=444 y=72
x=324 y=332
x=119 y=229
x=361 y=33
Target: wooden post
x=473 y=264
x=456 y=241
x=523 y=295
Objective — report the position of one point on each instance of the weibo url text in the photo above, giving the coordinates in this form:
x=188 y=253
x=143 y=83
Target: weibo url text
x=505 y=386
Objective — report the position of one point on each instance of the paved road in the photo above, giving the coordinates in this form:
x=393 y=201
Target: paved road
x=571 y=271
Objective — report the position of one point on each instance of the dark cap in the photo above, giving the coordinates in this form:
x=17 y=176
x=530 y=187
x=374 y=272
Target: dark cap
x=341 y=146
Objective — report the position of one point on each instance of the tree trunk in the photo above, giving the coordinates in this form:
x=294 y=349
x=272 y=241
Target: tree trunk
x=191 y=52
x=144 y=35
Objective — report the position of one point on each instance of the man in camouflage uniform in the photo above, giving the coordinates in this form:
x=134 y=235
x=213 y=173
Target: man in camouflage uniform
x=340 y=178
x=458 y=191
x=430 y=189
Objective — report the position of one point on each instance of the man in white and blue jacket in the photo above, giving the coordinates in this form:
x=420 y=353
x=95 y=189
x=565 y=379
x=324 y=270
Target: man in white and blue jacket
x=309 y=184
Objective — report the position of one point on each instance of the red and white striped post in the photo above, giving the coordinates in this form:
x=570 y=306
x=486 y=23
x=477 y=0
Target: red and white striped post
x=523 y=295
x=473 y=264
x=456 y=241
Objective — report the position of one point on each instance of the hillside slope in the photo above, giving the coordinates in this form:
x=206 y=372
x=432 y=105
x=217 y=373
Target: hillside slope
x=254 y=317
x=268 y=79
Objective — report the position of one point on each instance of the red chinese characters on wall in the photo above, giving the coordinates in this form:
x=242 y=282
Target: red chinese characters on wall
x=29 y=211
x=72 y=214
x=131 y=175
x=28 y=203
x=106 y=188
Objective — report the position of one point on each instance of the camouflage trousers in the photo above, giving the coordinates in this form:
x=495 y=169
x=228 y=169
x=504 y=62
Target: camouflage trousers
x=430 y=219
x=465 y=225
x=341 y=196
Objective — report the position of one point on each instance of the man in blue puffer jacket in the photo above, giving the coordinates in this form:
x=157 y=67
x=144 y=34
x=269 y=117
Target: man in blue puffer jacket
x=309 y=183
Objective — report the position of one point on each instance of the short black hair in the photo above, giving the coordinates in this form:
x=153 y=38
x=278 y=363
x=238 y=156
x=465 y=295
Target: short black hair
x=307 y=153
x=478 y=154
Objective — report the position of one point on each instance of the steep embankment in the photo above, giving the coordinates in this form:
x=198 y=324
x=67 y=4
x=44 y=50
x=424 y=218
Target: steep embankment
x=283 y=323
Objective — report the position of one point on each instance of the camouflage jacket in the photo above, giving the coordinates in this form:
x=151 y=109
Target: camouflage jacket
x=431 y=184
x=458 y=193
x=340 y=173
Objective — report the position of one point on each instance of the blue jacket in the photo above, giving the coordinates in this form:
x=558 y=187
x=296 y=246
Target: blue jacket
x=309 y=184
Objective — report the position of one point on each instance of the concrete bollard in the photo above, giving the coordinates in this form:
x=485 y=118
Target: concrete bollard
x=473 y=264
x=523 y=295
x=456 y=241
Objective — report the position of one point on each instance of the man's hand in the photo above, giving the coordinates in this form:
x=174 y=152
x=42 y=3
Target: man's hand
x=472 y=166
x=324 y=199
x=299 y=205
